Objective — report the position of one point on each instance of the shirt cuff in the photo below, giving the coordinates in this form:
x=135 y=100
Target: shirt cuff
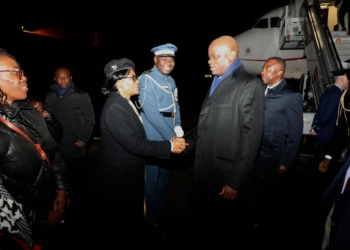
x=172 y=145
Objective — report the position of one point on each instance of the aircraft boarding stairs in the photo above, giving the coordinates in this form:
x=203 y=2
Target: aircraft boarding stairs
x=325 y=51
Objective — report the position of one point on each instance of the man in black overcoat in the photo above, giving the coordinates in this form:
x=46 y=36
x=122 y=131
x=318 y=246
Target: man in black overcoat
x=226 y=142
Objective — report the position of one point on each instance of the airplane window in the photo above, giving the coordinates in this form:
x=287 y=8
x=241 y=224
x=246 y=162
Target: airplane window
x=262 y=24
x=275 y=22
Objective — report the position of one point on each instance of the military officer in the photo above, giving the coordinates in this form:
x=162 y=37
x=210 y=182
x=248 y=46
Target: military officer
x=340 y=139
x=324 y=122
x=160 y=113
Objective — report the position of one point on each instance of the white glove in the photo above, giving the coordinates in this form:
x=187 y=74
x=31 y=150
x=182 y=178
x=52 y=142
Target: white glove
x=178 y=131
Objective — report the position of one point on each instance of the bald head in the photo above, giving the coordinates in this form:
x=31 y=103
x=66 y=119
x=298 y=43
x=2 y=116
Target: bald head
x=222 y=52
x=227 y=41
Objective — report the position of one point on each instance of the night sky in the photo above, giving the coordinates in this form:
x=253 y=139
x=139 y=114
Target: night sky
x=126 y=30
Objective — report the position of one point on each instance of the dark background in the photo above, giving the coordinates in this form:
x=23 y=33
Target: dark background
x=128 y=29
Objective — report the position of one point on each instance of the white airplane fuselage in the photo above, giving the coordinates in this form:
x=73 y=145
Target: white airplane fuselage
x=280 y=33
x=258 y=44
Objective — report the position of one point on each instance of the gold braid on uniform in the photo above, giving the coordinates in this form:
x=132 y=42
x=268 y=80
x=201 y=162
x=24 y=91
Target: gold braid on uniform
x=342 y=109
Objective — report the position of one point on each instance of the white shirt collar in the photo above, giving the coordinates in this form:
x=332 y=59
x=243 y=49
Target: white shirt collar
x=267 y=88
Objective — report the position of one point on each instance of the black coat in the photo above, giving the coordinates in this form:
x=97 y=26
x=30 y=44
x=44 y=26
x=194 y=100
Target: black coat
x=25 y=175
x=283 y=130
x=227 y=137
x=340 y=229
x=341 y=134
x=75 y=113
x=120 y=165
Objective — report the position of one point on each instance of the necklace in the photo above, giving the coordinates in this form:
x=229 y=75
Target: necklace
x=133 y=107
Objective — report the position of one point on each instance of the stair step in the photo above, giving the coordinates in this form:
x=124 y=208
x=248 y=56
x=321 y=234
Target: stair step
x=339 y=33
x=342 y=46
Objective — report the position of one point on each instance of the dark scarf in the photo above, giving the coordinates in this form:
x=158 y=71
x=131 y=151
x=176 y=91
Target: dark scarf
x=61 y=91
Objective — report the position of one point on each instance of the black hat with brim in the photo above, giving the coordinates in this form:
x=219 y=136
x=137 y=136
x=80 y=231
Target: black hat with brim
x=116 y=65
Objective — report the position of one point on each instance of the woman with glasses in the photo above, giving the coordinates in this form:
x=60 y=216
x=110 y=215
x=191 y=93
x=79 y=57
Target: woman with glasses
x=33 y=178
x=119 y=172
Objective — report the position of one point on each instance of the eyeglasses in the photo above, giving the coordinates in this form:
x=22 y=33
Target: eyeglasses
x=134 y=77
x=19 y=73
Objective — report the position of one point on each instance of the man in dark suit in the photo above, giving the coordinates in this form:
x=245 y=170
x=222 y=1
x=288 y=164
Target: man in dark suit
x=330 y=128
x=283 y=129
x=227 y=139
x=335 y=212
x=340 y=138
x=324 y=123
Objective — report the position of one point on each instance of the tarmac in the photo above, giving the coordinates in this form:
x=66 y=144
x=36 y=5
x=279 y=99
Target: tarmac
x=296 y=223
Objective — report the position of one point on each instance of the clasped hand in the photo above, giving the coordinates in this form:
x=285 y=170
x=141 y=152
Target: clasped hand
x=179 y=145
x=228 y=193
x=56 y=215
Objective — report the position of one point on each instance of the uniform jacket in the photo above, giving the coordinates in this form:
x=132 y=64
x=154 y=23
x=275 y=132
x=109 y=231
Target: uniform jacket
x=120 y=164
x=326 y=114
x=25 y=175
x=227 y=136
x=75 y=113
x=158 y=94
x=283 y=129
x=340 y=229
x=341 y=134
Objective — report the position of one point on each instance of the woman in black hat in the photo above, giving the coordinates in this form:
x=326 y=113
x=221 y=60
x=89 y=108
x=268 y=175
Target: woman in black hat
x=120 y=165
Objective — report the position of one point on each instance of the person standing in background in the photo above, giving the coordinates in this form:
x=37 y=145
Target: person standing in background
x=73 y=109
x=324 y=122
x=283 y=129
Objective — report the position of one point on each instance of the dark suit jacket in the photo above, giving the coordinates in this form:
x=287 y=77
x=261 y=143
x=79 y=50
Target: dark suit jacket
x=326 y=115
x=283 y=129
x=227 y=136
x=120 y=165
x=340 y=230
x=341 y=134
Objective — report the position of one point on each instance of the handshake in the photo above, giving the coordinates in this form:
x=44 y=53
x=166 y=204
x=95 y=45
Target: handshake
x=179 y=144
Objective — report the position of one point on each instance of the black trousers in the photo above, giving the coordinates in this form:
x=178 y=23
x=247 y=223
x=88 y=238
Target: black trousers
x=227 y=225
x=344 y=8
x=77 y=171
x=268 y=194
x=68 y=234
x=106 y=232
